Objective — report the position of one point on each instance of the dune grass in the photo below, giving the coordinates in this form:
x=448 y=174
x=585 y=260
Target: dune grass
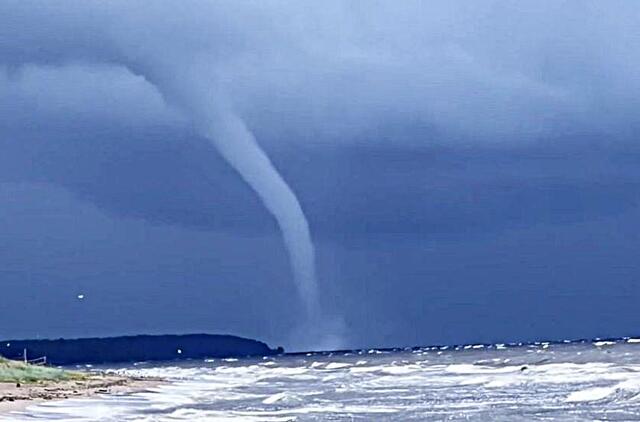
x=14 y=371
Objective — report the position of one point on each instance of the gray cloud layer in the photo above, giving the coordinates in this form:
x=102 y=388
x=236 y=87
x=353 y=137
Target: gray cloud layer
x=397 y=125
x=491 y=71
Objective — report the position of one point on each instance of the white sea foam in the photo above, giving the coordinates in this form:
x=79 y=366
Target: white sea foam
x=590 y=394
x=402 y=385
x=337 y=365
x=275 y=398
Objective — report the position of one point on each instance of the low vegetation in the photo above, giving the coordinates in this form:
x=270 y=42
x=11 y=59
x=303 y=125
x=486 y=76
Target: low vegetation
x=14 y=371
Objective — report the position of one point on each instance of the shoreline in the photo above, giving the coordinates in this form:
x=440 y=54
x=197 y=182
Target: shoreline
x=15 y=399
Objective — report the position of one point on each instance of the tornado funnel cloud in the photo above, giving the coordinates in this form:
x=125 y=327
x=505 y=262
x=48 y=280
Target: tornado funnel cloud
x=213 y=118
x=238 y=146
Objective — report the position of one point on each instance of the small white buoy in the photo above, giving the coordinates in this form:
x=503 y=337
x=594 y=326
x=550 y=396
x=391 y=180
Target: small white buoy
x=179 y=351
x=80 y=297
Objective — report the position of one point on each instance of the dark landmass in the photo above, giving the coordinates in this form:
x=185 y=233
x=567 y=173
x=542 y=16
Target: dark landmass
x=135 y=348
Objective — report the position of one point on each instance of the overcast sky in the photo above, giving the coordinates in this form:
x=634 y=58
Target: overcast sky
x=469 y=170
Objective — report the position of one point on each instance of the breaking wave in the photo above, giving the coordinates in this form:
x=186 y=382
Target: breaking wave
x=540 y=381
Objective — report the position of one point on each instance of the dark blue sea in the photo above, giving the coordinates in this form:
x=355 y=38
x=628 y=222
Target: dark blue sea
x=566 y=381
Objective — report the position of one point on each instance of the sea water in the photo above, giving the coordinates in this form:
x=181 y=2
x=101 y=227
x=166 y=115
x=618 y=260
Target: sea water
x=595 y=380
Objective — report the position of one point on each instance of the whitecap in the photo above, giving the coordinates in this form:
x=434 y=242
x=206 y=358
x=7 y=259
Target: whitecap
x=590 y=394
x=275 y=398
x=337 y=365
x=604 y=343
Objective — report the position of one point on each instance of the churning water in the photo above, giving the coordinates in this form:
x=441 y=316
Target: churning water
x=542 y=381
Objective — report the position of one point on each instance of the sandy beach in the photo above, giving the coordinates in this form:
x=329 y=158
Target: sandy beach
x=14 y=398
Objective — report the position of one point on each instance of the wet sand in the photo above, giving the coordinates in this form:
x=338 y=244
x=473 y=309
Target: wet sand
x=14 y=398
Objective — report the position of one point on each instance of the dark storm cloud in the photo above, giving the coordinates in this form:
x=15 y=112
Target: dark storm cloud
x=448 y=191
x=502 y=131
x=348 y=192
x=482 y=71
x=343 y=76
